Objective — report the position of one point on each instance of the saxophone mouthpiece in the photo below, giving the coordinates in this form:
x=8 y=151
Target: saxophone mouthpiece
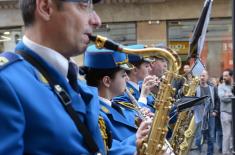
x=103 y=42
x=92 y=37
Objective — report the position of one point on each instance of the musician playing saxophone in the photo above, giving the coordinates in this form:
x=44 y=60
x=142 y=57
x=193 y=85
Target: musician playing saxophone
x=138 y=86
x=105 y=69
x=155 y=143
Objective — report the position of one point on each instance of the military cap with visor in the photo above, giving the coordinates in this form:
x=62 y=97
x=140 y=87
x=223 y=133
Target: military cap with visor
x=105 y=59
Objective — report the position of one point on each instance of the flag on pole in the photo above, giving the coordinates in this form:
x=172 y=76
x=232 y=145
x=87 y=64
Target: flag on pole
x=199 y=33
x=197 y=68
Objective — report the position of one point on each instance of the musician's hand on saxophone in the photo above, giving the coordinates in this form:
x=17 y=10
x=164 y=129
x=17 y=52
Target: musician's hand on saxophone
x=147 y=113
x=142 y=133
x=148 y=83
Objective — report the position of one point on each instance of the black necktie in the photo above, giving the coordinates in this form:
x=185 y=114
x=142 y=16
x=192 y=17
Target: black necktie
x=72 y=75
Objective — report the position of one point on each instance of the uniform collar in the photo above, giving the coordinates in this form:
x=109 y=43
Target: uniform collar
x=105 y=101
x=135 y=85
x=52 y=57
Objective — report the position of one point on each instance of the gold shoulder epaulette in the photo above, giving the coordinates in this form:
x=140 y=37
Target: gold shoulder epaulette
x=105 y=110
x=3 y=61
x=127 y=105
x=131 y=90
x=103 y=131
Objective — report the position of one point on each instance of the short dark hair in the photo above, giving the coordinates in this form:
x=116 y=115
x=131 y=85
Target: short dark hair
x=94 y=76
x=136 y=64
x=28 y=8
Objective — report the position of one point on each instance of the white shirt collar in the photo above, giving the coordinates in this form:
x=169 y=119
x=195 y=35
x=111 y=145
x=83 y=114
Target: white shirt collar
x=54 y=58
x=105 y=101
x=135 y=85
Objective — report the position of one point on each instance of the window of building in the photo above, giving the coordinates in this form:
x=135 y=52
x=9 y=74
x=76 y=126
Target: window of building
x=9 y=37
x=217 y=51
x=123 y=33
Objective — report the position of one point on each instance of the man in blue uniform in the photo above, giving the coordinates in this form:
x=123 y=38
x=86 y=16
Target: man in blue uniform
x=40 y=112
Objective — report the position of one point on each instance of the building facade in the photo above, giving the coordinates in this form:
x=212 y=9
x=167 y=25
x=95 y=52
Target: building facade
x=151 y=22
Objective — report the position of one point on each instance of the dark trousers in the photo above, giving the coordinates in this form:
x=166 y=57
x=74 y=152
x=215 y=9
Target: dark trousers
x=208 y=136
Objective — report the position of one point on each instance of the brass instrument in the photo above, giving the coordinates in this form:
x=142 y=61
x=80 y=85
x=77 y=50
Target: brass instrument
x=183 y=120
x=186 y=87
x=188 y=138
x=155 y=143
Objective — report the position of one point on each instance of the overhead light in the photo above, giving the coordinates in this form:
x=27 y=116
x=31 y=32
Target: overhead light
x=6 y=33
x=5 y=38
x=154 y=22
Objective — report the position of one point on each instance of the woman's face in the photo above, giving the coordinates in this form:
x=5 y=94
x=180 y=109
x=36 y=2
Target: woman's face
x=143 y=70
x=118 y=83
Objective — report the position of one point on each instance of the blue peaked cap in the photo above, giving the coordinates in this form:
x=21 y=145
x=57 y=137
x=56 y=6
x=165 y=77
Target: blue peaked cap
x=136 y=58
x=105 y=59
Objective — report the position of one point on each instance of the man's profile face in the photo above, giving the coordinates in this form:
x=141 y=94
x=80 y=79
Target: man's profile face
x=226 y=77
x=159 y=67
x=74 y=22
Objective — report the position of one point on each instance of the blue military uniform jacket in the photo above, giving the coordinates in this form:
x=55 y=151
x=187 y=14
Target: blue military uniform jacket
x=123 y=133
x=117 y=123
x=150 y=104
x=126 y=99
x=127 y=105
x=33 y=120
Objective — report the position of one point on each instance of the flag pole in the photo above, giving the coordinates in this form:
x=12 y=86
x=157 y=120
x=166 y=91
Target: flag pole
x=233 y=100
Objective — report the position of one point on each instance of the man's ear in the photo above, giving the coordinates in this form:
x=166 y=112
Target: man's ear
x=106 y=81
x=44 y=9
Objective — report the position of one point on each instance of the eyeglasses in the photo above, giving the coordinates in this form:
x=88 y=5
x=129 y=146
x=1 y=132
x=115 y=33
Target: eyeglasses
x=86 y=5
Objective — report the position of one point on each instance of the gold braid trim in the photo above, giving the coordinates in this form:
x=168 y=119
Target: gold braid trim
x=127 y=105
x=103 y=129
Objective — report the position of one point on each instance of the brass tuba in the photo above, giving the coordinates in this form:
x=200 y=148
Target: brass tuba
x=156 y=139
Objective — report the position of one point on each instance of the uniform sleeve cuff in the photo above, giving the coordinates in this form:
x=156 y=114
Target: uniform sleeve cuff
x=143 y=100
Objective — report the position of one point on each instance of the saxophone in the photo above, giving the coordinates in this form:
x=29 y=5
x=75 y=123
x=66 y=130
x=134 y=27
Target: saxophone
x=155 y=143
x=187 y=140
x=184 y=118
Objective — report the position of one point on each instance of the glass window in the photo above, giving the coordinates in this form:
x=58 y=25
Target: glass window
x=217 y=51
x=123 y=33
x=9 y=37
